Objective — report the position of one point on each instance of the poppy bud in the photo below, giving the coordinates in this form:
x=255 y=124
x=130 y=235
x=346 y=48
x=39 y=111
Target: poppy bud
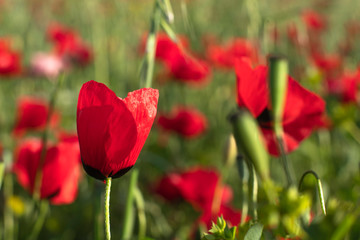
x=230 y=151
x=278 y=81
x=249 y=141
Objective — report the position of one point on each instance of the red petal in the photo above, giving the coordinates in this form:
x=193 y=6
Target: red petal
x=252 y=90
x=106 y=129
x=142 y=104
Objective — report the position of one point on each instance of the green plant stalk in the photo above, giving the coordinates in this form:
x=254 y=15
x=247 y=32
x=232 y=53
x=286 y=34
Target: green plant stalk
x=98 y=224
x=319 y=187
x=147 y=70
x=284 y=160
x=244 y=188
x=345 y=226
x=38 y=176
x=8 y=214
x=44 y=208
x=140 y=204
x=129 y=208
x=253 y=186
x=107 y=208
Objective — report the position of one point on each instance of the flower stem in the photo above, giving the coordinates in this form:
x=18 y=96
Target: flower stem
x=44 y=208
x=148 y=64
x=319 y=187
x=107 y=208
x=139 y=200
x=284 y=160
x=38 y=175
x=244 y=175
x=129 y=210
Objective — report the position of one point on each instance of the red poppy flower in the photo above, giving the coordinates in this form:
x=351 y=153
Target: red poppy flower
x=111 y=130
x=313 y=20
x=186 y=68
x=346 y=87
x=68 y=44
x=60 y=169
x=226 y=56
x=9 y=60
x=304 y=111
x=203 y=190
x=179 y=63
x=32 y=114
x=327 y=63
x=187 y=122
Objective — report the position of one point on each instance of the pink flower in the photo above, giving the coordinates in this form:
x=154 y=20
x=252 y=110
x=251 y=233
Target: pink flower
x=48 y=65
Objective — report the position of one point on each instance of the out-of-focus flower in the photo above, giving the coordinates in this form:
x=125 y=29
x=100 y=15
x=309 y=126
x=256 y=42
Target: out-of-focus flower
x=185 y=68
x=304 y=111
x=179 y=63
x=203 y=189
x=187 y=122
x=225 y=56
x=112 y=131
x=9 y=60
x=60 y=170
x=313 y=20
x=346 y=87
x=69 y=45
x=32 y=114
x=16 y=204
x=327 y=63
x=48 y=65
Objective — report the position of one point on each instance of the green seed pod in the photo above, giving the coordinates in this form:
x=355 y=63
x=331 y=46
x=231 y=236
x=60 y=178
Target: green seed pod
x=250 y=143
x=230 y=151
x=278 y=81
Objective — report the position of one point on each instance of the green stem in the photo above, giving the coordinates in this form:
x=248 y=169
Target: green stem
x=253 y=185
x=98 y=224
x=44 y=208
x=319 y=187
x=107 y=208
x=9 y=233
x=148 y=64
x=129 y=211
x=243 y=173
x=139 y=200
x=38 y=175
x=284 y=160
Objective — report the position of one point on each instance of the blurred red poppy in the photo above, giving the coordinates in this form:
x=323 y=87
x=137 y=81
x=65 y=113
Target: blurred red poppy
x=179 y=63
x=9 y=60
x=225 y=56
x=112 y=131
x=313 y=20
x=346 y=87
x=68 y=44
x=60 y=171
x=203 y=189
x=186 y=121
x=304 y=111
x=32 y=114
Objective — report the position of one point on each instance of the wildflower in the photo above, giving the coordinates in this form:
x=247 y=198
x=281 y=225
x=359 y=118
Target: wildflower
x=188 y=122
x=9 y=60
x=304 y=111
x=60 y=169
x=111 y=130
x=32 y=114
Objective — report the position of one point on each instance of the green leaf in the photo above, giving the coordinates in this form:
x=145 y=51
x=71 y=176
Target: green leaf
x=254 y=232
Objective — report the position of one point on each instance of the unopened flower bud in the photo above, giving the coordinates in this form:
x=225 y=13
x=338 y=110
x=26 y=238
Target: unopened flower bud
x=250 y=143
x=278 y=81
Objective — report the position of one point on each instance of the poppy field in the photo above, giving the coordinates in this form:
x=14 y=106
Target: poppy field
x=171 y=120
